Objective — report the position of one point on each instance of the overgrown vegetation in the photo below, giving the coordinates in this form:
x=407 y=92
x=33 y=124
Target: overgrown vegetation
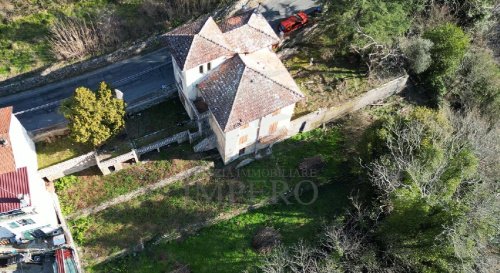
x=34 y=34
x=202 y=198
x=227 y=246
x=89 y=188
x=433 y=169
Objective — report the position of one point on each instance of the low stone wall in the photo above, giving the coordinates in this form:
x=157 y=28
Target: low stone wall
x=161 y=96
x=52 y=74
x=179 y=138
x=69 y=166
x=141 y=191
x=57 y=130
x=110 y=165
x=317 y=118
x=116 y=163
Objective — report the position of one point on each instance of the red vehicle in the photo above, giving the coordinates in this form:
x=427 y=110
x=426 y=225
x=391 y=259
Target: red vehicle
x=293 y=22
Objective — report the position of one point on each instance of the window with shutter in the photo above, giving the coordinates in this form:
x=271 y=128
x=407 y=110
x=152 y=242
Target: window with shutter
x=273 y=127
x=243 y=139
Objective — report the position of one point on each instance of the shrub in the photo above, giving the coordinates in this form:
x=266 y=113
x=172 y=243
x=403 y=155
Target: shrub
x=417 y=51
x=94 y=117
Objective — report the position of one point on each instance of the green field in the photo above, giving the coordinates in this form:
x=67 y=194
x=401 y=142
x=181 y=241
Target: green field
x=224 y=245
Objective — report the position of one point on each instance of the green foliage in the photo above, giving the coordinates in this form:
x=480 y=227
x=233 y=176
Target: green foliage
x=65 y=182
x=417 y=51
x=429 y=194
x=477 y=83
x=79 y=228
x=379 y=20
x=94 y=117
x=450 y=46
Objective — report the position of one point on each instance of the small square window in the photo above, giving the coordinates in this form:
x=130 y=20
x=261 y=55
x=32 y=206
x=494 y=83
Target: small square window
x=201 y=69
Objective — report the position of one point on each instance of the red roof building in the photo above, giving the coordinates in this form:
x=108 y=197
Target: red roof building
x=13 y=187
x=14 y=182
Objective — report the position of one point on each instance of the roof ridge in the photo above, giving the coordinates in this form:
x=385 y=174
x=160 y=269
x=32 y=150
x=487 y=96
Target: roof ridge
x=282 y=85
x=194 y=36
x=210 y=40
x=248 y=23
x=237 y=91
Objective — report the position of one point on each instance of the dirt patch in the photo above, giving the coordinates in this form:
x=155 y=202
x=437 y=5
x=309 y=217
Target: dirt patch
x=266 y=239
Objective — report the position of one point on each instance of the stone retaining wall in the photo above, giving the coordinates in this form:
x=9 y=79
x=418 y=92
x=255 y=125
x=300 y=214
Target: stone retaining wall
x=179 y=138
x=56 y=73
x=69 y=166
x=317 y=118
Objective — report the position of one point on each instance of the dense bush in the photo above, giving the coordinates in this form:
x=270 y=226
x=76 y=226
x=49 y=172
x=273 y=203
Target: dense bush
x=94 y=117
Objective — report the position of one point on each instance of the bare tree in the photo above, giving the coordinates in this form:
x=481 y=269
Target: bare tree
x=73 y=38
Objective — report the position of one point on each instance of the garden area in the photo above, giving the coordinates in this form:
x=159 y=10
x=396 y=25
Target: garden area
x=90 y=188
x=159 y=121
x=142 y=128
x=227 y=246
x=184 y=203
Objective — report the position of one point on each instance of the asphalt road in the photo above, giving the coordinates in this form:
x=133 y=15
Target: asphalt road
x=137 y=77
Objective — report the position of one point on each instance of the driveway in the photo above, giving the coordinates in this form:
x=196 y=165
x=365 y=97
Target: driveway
x=137 y=77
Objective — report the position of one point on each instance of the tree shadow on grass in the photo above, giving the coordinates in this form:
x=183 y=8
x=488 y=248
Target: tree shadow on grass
x=226 y=246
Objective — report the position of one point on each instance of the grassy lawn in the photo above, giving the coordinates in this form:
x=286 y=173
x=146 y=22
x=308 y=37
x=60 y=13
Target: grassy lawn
x=178 y=205
x=166 y=118
x=89 y=188
x=226 y=247
x=58 y=150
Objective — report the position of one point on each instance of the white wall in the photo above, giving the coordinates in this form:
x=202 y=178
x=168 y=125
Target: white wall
x=193 y=76
x=40 y=221
x=255 y=130
x=25 y=156
x=22 y=146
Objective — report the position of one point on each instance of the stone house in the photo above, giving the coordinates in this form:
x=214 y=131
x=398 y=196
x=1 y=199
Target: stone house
x=26 y=208
x=229 y=78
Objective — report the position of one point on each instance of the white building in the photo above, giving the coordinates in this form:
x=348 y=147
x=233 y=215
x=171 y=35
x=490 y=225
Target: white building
x=228 y=75
x=26 y=207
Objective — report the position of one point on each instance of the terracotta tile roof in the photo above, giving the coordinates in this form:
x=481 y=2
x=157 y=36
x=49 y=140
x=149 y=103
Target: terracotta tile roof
x=197 y=43
x=5 y=115
x=7 y=162
x=236 y=21
x=12 y=185
x=248 y=32
x=237 y=93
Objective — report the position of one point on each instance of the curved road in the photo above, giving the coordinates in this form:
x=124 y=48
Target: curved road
x=137 y=77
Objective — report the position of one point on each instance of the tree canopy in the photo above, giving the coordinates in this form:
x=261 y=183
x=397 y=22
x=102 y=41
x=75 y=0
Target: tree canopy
x=94 y=117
